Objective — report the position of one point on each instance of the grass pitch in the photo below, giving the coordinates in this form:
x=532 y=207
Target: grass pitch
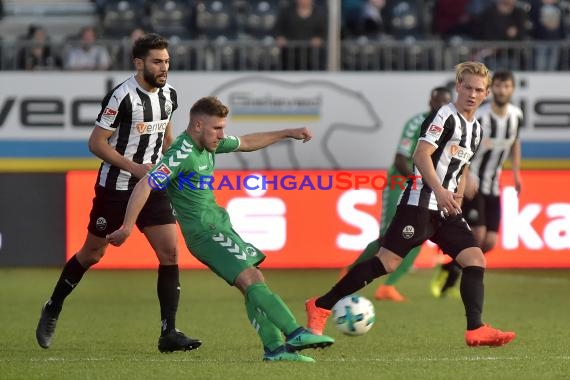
x=109 y=328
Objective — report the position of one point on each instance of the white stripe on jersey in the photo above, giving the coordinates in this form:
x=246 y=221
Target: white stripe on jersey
x=138 y=132
x=499 y=134
x=456 y=140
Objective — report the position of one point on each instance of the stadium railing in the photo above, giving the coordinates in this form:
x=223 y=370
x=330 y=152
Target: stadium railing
x=355 y=55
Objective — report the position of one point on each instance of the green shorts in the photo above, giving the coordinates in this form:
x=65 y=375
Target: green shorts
x=226 y=254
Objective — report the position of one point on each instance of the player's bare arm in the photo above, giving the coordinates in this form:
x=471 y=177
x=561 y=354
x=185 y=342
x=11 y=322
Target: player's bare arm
x=137 y=200
x=516 y=164
x=401 y=163
x=256 y=141
x=471 y=184
x=461 y=186
x=422 y=160
x=168 y=137
x=99 y=146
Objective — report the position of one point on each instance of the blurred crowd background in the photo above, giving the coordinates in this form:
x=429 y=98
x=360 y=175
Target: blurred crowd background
x=349 y=35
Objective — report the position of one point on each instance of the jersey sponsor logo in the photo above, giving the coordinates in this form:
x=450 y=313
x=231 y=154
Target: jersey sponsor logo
x=461 y=153
x=408 y=232
x=151 y=127
x=434 y=130
x=163 y=168
x=159 y=178
x=109 y=112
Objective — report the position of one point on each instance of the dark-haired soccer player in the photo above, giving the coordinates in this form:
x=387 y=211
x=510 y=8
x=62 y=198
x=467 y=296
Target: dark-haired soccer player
x=432 y=210
x=208 y=230
x=500 y=121
x=402 y=166
x=132 y=130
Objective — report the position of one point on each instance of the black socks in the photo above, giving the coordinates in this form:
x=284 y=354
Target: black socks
x=357 y=278
x=70 y=276
x=472 y=293
x=168 y=289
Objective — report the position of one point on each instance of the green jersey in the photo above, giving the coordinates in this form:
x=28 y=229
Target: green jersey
x=409 y=140
x=406 y=147
x=186 y=171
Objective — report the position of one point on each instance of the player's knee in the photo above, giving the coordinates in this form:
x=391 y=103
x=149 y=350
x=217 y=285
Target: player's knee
x=88 y=257
x=390 y=260
x=472 y=256
x=247 y=278
x=167 y=256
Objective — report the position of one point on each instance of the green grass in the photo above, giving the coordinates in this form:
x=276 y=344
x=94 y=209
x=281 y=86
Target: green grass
x=109 y=329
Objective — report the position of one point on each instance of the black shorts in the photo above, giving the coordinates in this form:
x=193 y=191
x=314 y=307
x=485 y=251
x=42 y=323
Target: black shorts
x=109 y=207
x=413 y=225
x=483 y=210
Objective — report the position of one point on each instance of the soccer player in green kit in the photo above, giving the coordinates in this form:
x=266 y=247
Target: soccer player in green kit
x=186 y=171
x=402 y=166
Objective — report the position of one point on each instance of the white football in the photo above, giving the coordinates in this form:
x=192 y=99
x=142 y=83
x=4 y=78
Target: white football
x=354 y=315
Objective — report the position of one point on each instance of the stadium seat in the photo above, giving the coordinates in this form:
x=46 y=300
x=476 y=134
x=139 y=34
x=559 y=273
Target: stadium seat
x=261 y=16
x=215 y=19
x=405 y=19
x=120 y=17
x=172 y=18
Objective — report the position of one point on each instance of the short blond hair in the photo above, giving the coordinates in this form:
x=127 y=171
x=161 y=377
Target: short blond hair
x=471 y=67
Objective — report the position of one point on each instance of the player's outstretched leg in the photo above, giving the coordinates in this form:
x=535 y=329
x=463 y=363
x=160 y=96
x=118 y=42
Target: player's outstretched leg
x=388 y=291
x=319 y=308
x=303 y=338
x=271 y=338
x=369 y=252
x=297 y=337
x=316 y=316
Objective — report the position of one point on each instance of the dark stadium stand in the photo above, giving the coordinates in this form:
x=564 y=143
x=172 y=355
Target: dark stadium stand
x=239 y=34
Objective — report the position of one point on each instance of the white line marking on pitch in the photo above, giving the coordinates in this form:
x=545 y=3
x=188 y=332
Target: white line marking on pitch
x=384 y=360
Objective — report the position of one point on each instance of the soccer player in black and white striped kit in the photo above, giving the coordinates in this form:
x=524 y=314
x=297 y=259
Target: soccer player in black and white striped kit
x=500 y=121
x=132 y=130
x=430 y=208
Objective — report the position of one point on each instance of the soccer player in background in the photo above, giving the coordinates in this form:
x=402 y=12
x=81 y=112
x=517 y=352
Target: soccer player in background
x=500 y=121
x=131 y=132
x=431 y=210
x=402 y=166
x=186 y=170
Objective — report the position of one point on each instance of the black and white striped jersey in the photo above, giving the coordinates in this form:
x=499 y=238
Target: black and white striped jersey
x=499 y=135
x=456 y=141
x=138 y=119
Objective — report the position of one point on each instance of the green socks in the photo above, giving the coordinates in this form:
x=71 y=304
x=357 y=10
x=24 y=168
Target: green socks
x=270 y=335
x=262 y=300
